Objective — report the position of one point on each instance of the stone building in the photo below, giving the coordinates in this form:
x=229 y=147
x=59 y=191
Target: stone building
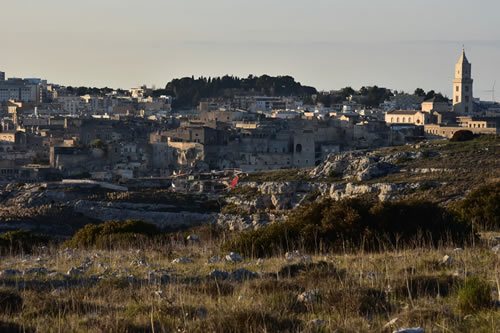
x=407 y=117
x=462 y=87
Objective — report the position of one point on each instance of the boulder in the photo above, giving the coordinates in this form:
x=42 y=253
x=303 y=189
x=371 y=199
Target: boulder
x=233 y=257
x=218 y=275
x=409 y=330
x=282 y=201
x=75 y=271
x=308 y=296
x=182 y=260
x=317 y=322
x=36 y=270
x=139 y=262
x=296 y=256
x=242 y=274
x=446 y=260
x=193 y=238
x=10 y=273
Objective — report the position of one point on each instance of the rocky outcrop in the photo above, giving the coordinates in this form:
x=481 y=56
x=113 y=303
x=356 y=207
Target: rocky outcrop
x=260 y=202
x=106 y=211
x=247 y=221
x=360 y=165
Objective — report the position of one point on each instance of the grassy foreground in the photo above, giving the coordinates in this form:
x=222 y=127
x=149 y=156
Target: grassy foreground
x=141 y=290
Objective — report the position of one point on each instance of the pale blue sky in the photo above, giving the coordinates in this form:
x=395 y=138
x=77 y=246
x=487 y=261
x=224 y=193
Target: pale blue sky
x=399 y=44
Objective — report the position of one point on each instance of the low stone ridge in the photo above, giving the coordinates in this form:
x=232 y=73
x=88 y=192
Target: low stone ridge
x=242 y=274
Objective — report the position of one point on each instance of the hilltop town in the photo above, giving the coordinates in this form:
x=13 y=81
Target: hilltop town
x=248 y=205
x=51 y=132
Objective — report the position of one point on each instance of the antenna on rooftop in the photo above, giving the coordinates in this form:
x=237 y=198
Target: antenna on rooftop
x=492 y=91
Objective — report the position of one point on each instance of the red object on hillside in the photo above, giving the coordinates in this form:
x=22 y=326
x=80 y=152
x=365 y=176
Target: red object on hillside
x=234 y=182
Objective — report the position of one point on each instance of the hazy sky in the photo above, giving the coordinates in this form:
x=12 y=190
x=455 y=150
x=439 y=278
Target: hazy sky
x=329 y=44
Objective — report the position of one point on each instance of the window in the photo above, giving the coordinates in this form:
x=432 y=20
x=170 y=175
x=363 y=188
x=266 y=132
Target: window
x=467 y=99
x=466 y=88
x=298 y=148
x=456 y=99
x=456 y=88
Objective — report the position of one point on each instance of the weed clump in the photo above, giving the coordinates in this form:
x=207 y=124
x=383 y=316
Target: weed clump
x=473 y=296
x=114 y=234
x=20 y=241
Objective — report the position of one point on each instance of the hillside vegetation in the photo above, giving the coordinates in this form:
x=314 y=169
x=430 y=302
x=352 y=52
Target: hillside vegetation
x=427 y=259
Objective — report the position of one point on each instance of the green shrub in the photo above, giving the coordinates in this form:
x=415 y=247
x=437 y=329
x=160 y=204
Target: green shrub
x=114 y=234
x=246 y=192
x=416 y=220
x=353 y=224
x=402 y=160
x=481 y=207
x=20 y=241
x=234 y=209
x=462 y=135
x=473 y=296
x=427 y=286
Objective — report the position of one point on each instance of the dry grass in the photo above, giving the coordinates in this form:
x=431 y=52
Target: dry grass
x=358 y=292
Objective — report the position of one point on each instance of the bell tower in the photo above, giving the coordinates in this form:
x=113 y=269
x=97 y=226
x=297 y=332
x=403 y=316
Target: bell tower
x=462 y=87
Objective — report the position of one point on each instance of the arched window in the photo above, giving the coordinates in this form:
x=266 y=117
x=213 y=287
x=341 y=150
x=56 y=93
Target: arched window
x=404 y=120
x=298 y=148
x=397 y=119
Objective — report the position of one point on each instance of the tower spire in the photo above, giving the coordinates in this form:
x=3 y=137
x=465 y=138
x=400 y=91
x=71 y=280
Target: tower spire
x=462 y=86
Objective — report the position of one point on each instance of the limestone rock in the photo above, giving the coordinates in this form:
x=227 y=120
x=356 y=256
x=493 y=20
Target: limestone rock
x=36 y=270
x=233 y=257
x=75 y=271
x=182 y=260
x=139 y=262
x=317 y=322
x=10 y=273
x=409 y=330
x=447 y=260
x=218 y=275
x=296 y=256
x=242 y=274
x=193 y=238
x=308 y=296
